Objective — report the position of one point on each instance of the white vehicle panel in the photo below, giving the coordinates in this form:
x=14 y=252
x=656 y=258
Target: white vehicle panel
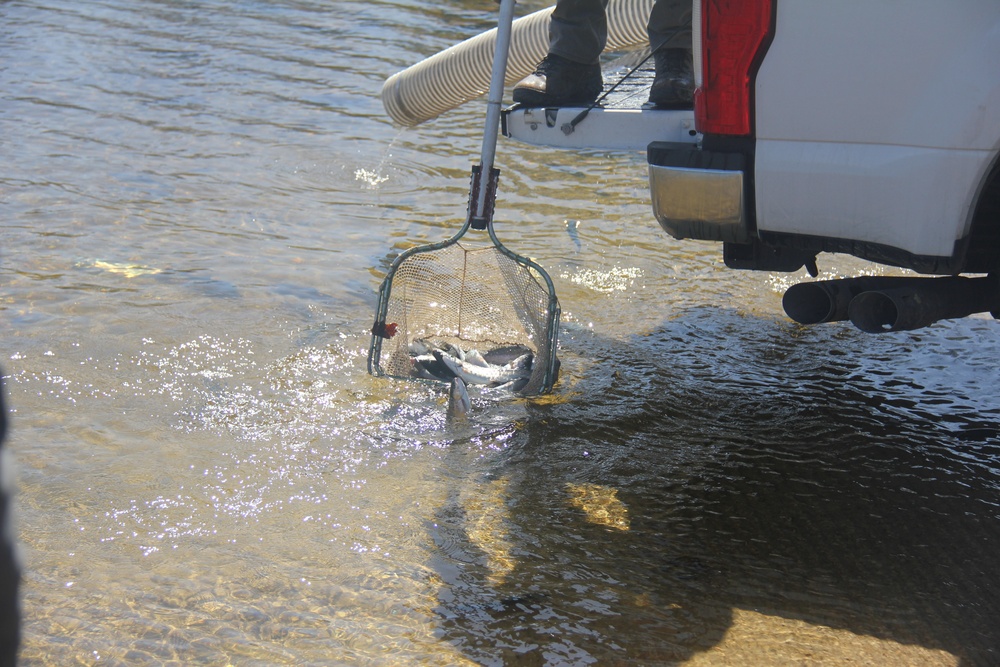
x=887 y=151
x=600 y=129
x=858 y=192
x=936 y=81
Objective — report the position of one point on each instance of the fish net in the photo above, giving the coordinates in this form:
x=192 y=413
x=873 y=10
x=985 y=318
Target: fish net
x=453 y=309
x=473 y=296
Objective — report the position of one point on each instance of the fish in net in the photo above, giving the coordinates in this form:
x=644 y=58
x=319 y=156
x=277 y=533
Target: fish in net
x=467 y=302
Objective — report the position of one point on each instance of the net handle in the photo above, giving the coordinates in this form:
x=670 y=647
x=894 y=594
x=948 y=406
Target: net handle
x=480 y=214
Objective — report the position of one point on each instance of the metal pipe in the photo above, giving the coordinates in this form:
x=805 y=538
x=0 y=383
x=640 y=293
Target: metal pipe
x=922 y=303
x=828 y=300
x=492 y=129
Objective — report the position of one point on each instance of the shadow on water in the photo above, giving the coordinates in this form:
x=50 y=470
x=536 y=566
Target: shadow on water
x=725 y=463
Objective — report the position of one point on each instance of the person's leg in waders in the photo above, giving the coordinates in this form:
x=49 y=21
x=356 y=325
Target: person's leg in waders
x=571 y=72
x=669 y=31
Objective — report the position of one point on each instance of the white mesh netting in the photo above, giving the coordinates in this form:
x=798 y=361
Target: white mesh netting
x=476 y=298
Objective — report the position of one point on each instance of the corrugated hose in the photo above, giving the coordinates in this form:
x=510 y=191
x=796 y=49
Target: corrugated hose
x=461 y=73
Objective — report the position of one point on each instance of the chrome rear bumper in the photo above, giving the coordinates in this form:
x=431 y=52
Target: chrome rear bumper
x=698 y=195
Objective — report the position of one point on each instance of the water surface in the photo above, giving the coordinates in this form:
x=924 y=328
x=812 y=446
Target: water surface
x=199 y=201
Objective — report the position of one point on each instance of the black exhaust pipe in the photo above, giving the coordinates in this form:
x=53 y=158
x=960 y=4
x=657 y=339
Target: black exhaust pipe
x=829 y=300
x=922 y=303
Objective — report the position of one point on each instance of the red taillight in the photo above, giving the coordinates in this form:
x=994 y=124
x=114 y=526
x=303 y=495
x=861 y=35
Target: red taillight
x=733 y=33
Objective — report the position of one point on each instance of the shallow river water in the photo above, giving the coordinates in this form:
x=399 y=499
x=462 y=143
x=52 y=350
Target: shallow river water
x=199 y=201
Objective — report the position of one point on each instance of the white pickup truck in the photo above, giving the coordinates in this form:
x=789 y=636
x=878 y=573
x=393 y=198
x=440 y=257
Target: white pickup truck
x=865 y=127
